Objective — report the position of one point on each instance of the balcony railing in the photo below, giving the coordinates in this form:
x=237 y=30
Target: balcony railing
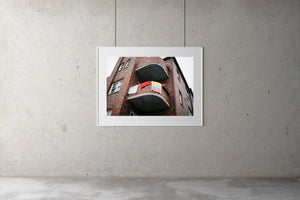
x=145 y=99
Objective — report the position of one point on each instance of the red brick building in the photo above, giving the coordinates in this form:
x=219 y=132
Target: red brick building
x=148 y=86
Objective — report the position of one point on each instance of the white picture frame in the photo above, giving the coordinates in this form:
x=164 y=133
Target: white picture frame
x=105 y=52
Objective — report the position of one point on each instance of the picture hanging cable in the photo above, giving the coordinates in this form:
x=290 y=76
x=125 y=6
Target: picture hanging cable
x=183 y=22
x=115 y=23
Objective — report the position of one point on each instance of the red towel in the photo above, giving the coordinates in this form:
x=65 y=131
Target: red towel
x=145 y=84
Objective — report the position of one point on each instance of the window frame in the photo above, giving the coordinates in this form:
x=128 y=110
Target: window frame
x=109 y=112
x=118 y=87
x=190 y=112
x=127 y=63
x=121 y=67
x=180 y=98
x=178 y=74
x=187 y=96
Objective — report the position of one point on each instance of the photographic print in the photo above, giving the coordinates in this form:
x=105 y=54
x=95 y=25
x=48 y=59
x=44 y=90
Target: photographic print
x=149 y=86
x=145 y=88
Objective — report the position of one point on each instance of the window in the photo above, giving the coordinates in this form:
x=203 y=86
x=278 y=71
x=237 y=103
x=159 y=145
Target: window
x=187 y=90
x=187 y=95
x=180 y=98
x=121 y=67
x=109 y=112
x=168 y=67
x=190 y=112
x=132 y=113
x=178 y=75
x=115 y=87
x=127 y=63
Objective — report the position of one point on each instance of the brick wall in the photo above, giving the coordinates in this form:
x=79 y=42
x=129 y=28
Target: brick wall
x=180 y=85
x=117 y=100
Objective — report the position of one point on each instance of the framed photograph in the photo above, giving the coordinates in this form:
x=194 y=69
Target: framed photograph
x=150 y=86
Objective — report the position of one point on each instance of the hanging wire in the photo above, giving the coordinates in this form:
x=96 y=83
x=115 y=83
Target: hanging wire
x=115 y=22
x=184 y=43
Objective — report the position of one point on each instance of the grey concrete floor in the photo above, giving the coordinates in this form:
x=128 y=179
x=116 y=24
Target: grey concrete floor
x=149 y=189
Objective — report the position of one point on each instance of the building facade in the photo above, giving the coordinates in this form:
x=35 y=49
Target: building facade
x=148 y=86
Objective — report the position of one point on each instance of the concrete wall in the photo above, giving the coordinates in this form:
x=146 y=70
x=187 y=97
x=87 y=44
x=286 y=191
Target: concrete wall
x=48 y=90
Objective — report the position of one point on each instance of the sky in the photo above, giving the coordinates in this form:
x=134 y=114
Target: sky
x=186 y=65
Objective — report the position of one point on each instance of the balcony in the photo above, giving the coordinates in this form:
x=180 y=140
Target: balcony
x=152 y=69
x=147 y=100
